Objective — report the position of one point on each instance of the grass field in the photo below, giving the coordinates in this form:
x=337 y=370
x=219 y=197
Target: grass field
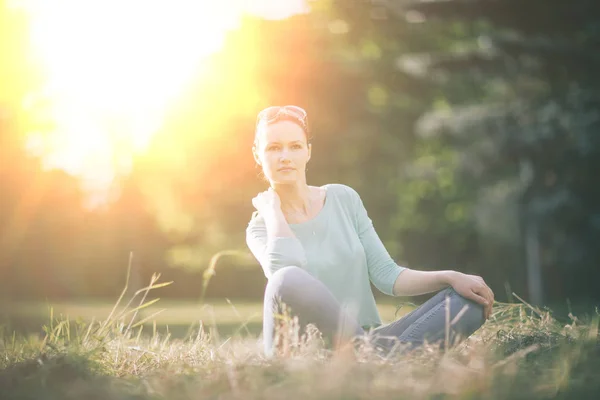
x=176 y=317
x=97 y=351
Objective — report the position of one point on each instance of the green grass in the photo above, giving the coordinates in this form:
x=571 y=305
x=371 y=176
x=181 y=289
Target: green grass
x=521 y=353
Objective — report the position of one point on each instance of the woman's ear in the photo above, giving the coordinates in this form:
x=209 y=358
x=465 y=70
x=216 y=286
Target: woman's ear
x=309 y=151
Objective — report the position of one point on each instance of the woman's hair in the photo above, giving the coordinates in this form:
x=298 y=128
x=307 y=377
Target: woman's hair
x=275 y=114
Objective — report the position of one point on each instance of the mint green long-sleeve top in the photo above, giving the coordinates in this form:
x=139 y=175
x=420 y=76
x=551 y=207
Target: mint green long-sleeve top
x=339 y=246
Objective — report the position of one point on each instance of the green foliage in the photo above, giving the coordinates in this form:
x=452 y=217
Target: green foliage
x=537 y=122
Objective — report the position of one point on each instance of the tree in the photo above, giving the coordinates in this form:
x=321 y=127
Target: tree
x=536 y=123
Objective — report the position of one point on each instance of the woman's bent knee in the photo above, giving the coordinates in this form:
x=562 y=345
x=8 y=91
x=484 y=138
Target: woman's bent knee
x=286 y=273
x=470 y=313
x=288 y=283
x=287 y=277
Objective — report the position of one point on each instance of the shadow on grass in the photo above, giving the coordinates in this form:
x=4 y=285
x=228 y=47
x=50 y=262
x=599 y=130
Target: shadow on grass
x=47 y=376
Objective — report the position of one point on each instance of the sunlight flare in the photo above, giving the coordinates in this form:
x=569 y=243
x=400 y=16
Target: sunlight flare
x=110 y=70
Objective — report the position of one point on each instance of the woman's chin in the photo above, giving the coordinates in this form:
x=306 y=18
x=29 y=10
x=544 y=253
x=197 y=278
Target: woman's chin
x=284 y=181
x=285 y=178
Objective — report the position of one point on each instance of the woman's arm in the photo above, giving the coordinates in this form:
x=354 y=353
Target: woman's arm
x=393 y=279
x=270 y=238
x=414 y=283
x=383 y=270
x=276 y=224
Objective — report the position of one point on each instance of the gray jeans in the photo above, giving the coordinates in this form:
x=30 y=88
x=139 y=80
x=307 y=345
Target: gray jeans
x=309 y=299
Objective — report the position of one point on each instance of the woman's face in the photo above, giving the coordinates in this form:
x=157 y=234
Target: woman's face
x=282 y=152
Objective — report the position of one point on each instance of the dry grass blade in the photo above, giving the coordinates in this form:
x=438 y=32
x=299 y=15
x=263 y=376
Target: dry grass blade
x=517 y=355
x=458 y=316
x=447 y=322
x=148 y=318
x=146 y=290
x=141 y=306
x=112 y=312
x=593 y=332
x=529 y=305
x=212 y=265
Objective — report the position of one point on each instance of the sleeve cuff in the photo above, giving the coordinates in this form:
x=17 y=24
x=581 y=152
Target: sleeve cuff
x=394 y=277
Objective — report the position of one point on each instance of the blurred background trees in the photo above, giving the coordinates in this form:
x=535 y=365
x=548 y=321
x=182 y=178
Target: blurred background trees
x=468 y=128
x=529 y=141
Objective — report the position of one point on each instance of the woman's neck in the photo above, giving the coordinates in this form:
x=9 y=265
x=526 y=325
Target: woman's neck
x=295 y=197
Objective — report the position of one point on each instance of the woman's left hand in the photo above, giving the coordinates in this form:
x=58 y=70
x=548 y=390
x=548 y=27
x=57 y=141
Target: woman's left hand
x=473 y=287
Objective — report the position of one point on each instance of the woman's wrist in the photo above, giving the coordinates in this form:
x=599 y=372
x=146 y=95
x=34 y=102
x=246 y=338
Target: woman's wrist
x=449 y=277
x=273 y=214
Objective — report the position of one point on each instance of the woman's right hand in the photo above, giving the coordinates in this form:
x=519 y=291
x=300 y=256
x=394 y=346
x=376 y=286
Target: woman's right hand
x=267 y=202
x=473 y=287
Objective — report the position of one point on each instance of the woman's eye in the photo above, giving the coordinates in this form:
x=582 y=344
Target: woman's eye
x=296 y=146
x=272 y=148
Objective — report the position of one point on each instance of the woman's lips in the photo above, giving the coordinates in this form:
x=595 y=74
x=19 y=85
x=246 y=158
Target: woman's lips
x=285 y=169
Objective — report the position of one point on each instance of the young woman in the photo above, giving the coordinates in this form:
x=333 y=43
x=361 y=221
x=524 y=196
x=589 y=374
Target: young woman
x=319 y=250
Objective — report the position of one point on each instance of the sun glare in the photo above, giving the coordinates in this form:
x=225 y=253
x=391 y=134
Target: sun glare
x=110 y=68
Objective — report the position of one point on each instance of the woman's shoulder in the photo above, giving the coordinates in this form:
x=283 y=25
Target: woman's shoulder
x=345 y=196
x=342 y=193
x=340 y=189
